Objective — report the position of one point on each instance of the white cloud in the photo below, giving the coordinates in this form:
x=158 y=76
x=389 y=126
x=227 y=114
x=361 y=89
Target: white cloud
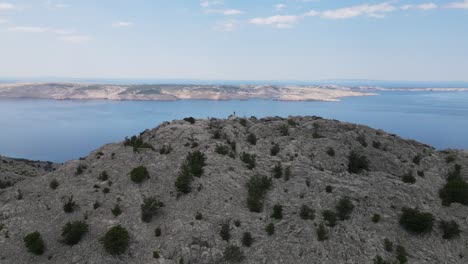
x=424 y=7
x=75 y=39
x=227 y=26
x=121 y=24
x=312 y=13
x=279 y=7
x=6 y=6
x=226 y=12
x=276 y=21
x=458 y=5
x=377 y=10
x=206 y=4
x=24 y=29
x=54 y=5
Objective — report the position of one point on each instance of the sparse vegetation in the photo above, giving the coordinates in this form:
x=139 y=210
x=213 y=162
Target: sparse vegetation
x=149 y=208
x=157 y=232
x=322 y=233
x=103 y=176
x=137 y=143
x=376 y=144
x=376 y=218
x=307 y=213
x=193 y=166
x=408 y=178
x=402 y=255
x=249 y=160
x=34 y=243
x=330 y=152
x=69 y=206
x=233 y=254
x=257 y=189
x=287 y=173
x=455 y=190
x=73 y=232
x=139 y=174
x=277 y=212
x=344 y=208
x=329 y=189
x=164 y=150
x=225 y=232
x=284 y=130
x=270 y=229
x=275 y=149
x=222 y=149
x=116 y=240
x=450 y=229
x=247 y=239
x=388 y=245
x=198 y=216
x=191 y=120
x=357 y=162
x=252 y=139
x=80 y=169
x=330 y=217
x=417 y=159
x=116 y=211
x=54 y=184
x=277 y=171
x=415 y=221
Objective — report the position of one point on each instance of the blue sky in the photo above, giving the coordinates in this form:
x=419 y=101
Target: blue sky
x=235 y=39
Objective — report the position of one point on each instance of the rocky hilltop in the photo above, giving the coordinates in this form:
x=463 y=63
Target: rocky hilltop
x=244 y=190
x=15 y=170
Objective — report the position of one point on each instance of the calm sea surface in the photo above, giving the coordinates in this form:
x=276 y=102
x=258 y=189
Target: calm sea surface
x=64 y=130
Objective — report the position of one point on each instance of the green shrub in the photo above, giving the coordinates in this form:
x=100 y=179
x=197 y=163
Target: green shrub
x=69 y=206
x=287 y=173
x=362 y=140
x=307 y=213
x=415 y=221
x=184 y=179
x=34 y=243
x=284 y=130
x=116 y=240
x=237 y=222
x=157 y=232
x=376 y=218
x=137 y=143
x=156 y=254
x=402 y=255
x=252 y=139
x=243 y=122
x=225 y=232
x=376 y=144
x=222 y=149
x=275 y=150
x=450 y=159
x=344 y=208
x=139 y=174
x=330 y=152
x=54 y=184
x=116 y=211
x=322 y=233
x=233 y=254
x=103 y=176
x=248 y=159
x=292 y=123
x=328 y=189
x=80 y=169
x=316 y=134
x=330 y=217
x=357 y=163
x=388 y=245
x=277 y=171
x=270 y=229
x=191 y=120
x=164 y=150
x=106 y=190
x=450 y=229
x=454 y=191
x=417 y=159
x=257 y=188
x=408 y=178
x=72 y=232
x=380 y=260
x=247 y=239
x=198 y=216
x=196 y=161
x=96 y=205
x=277 y=211
x=149 y=208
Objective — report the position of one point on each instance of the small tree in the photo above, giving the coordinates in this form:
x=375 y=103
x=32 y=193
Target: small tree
x=408 y=178
x=257 y=187
x=116 y=240
x=149 y=208
x=184 y=179
x=388 y=245
x=454 y=191
x=139 y=174
x=402 y=255
x=344 y=208
x=73 y=232
x=116 y=211
x=191 y=120
x=34 y=243
x=415 y=221
x=277 y=211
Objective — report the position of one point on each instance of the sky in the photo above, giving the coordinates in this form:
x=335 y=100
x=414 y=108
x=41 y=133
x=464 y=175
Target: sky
x=235 y=39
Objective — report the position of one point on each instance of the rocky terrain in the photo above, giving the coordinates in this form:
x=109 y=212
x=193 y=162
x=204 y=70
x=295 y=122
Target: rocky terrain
x=15 y=170
x=245 y=190
x=80 y=91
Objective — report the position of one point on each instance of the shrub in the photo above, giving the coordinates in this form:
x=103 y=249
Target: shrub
x=164 y=150
x=106 y=190
x=103 y=176
x=415 y=221
x=198 y=216
x=330 y=217
x=80 y=169
x=277 y=211
x=357 y=163
x=116 y=240
x=191 y=120
x=328 y=189
x=284 y=130
x=139 y=174
x=292 y=123
x=330 y=152
x=149 y=208
x=243 y=122
x=157 y=232
x=252 y=139
x=72 y=232
x=402 y=255
x=307 y=213
x=249 y=160
x=408 y=178
x=275 y=150
x=54 y=184
x=388 y=245
x=247 y=239
x=270 y=229
x=417 y=159
x=184 y=179
x=421 y=173
x=156 y=254
x=277 y=171
x=376 y=218
x=455 y=173
x=237 y=222
x=376 y=144
x=316 y=134
x=322 y=233
x=450 y=229
x=233 y=254
x=70 y=205
x=96 y=205
x=362 y=140
x=454 y=191
x=287 y=173
x=257 y=188
x=344 y=208
x=116 y=211
x=137 y=143
x=222 y=149
x=196 y=161
x=34 y=243
x=225 y=232
x=450 y=159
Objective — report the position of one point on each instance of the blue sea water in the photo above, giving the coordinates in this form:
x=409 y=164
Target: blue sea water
x=64 y=130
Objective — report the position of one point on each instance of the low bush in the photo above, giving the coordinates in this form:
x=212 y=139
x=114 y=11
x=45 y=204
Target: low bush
x=233 y=254
x=417 y=159
x=376 y=218
x=284 y=130
x=103 y=176
x=137 y=143
x=402 y=255
x=191 y=120
x=252 y=139
x=34 y=243
x=322 y=233
x=287 y=173
x=450 y=229
x=408 y=178
x=388 y=245
x=270 y=229
x=149 y=208
x=454 y=191
x=344 y=208
x=116 y=211
x=225 y=232
x=249 y=160
x=275 y=150
x=362 y=140
x=277 y=212
x=328 y=189
x=139 y=174
x=164 y=150
x=69 y=206
x=222 y=149
x=376 y=144
x=184 y=179
x=330 y=217
x=157 y=232
x=330 y=152
x=357 y=162
x=80 y=169
x=277 y=171
x=54 y=184
x=307 y=213
x=247 y=239
x=116 y=240
x=257 y=187
x=243 y=122
x=415 y=221
x=198 y=216
x=73 y=232
x=292 y=123
x=196 y=161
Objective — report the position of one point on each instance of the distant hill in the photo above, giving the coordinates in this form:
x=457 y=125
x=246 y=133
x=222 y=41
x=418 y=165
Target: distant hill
x=271 y=190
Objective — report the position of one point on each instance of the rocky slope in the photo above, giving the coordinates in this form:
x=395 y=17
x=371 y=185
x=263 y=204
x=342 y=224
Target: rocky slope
x=15 y=170
x=207 y=219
